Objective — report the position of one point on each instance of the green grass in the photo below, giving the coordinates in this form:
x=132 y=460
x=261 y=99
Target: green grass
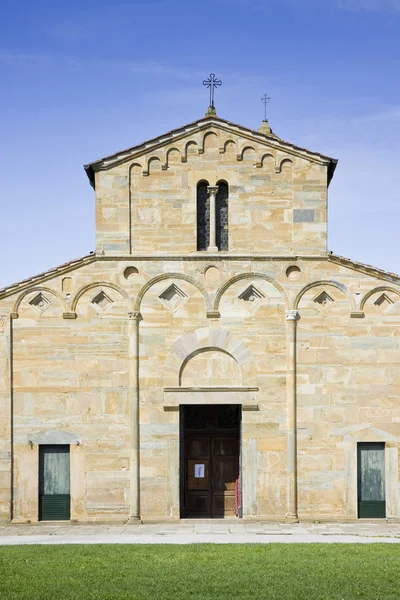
x=276 y=571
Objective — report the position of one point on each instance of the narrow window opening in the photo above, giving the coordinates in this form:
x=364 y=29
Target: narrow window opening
x=221 y=212
x=203 y=216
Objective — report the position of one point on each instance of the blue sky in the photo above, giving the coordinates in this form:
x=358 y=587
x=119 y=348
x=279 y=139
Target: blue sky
x=81 y=80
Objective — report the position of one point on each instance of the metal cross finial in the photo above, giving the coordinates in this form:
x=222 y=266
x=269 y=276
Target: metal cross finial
x=265 y=99
x=212 y=83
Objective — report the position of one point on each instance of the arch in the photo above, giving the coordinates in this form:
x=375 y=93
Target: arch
x=131 y=179
x=139 y=166
x=284 y=161
x=224 y=148
x=264 y=156
x=222 y=215
x=381 y=288
x=165 y=276
x=203 y=351
x=186 y=150
x=207 y=135
x=339 y=286
x=169 y=151
x=90 y=286
x=203 y=339
x=242 y=152
x=152 y=160
x=38 y=288
x=237 y=278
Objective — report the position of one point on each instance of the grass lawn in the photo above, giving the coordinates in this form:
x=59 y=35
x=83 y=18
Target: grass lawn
x=276 y=571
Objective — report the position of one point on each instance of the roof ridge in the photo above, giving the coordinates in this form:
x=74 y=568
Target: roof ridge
x=10 y=289
x=343 y=259
x=89 y=167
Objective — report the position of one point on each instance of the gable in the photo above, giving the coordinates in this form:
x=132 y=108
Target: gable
x=191 y=139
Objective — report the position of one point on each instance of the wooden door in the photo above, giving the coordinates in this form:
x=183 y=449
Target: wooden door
x=212 y=468
x=54 y=483
x=225 y=472
x=371 y=480
x=198 y=480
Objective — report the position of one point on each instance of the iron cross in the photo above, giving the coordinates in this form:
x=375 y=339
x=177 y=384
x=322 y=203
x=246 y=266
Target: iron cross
x=265 y=99
x=212 y=83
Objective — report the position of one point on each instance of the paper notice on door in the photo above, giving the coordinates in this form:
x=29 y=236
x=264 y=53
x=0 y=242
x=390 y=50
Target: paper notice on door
x=199 y=471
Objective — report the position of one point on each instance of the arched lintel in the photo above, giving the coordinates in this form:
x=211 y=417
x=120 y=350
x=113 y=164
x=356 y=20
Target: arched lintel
x=165 y=276
x=284 y=160
x=203 y=339
x=263 y=156
x=38 y=288
x=187 y=146
x=201 y=351
x=233 y=280
x=205 y=136
x=243 y=150
x=168 y=152
x=223 y=148
x=381 y=288
x=326 y=282
x=101 y=284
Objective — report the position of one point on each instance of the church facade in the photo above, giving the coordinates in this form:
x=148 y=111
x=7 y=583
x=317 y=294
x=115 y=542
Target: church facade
x=211 y=358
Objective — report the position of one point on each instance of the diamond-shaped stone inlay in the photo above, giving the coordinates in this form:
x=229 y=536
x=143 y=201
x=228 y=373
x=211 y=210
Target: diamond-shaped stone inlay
x=384 y=301
x=251 y=296
x=40 y=303
x=101 y=301
x=173 y=297
x=323 y=300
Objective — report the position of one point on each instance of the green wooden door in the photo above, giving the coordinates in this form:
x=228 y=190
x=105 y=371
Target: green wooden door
x=54 y=483
x=371 y=480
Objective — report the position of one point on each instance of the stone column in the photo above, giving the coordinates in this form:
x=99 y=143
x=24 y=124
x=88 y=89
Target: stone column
x=134 y=449
x=212 y=190
x=292 y=317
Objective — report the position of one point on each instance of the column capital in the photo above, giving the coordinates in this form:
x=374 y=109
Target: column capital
x=134 y=316
x=292 y=315
x=212 y=189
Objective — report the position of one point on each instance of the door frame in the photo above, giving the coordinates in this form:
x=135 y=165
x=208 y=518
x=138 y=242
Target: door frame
x=368 y=433
x=183 y=511
x=373 y=509
x=57 y=502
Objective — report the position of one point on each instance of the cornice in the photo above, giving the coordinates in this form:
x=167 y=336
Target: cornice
x=208 y=257
x=42 y=277
x=364 y=268
x=198 y=126
x=220 y=257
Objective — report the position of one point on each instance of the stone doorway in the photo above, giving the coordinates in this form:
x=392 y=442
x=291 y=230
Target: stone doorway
x=210 y=482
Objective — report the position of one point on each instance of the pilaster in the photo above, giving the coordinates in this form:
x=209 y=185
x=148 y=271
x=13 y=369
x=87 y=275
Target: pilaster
x=292 y=317
x=134 y=319
x=5 y=418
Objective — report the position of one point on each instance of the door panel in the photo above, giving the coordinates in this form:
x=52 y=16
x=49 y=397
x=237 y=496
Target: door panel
x=198 y=474
x=212 y=469
x=225 y=471
x=371 y=480
x=198 y=484
x=54 y=483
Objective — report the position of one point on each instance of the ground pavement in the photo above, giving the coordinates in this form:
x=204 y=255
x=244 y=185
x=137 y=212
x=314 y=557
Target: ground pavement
x=214 y=531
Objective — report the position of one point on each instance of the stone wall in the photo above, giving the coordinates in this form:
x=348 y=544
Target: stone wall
x=277 y=197
x=202 y=318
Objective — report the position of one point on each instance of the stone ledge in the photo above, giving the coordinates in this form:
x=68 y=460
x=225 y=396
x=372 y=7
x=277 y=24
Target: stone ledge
x=246 y=396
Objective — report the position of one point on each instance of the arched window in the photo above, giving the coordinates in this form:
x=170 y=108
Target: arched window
x=221 y=216
x=203 y=216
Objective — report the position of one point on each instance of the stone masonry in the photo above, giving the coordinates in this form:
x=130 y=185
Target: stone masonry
x=99 y=353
